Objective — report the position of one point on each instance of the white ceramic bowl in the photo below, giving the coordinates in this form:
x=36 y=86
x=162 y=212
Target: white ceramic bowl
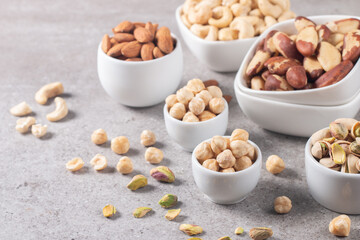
x=189 y=134
x=292 y=119
x=141 y=84
x=336 y=94
x=337 y=191
x=221 y=56
x=227 y=188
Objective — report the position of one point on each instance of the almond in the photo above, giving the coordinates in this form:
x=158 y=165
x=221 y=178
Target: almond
x=131 y=49
x=105 y=44
x=146 y=52
x=124 y=27
x=211 y=82
x=296 y=77
x=123 y=37
x=164 y=40
x=157 y=53
x=307 y=40
x=227 y=98
x=113 y=41
x=335 y=74
x=115 y=51
x=143 y=35
x=351 y=48
x=257 y=62
x=139 y=24
x=328 y=56
x=151 y=27
x=133 y=60
x=279 y=65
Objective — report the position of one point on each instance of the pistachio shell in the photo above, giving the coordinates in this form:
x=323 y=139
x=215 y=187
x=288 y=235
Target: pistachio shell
x=355 y=130
x=327 y=162
x=320 y=135
x=338 y=130
x=191 y=229
x=141 y=211
x=320 y=149
x=351 y=163
x=348 y=122
x=260 y=233
x=136 y=182
x=344 y=168
x=355 y=148
x=168 y=201
x=338 y=154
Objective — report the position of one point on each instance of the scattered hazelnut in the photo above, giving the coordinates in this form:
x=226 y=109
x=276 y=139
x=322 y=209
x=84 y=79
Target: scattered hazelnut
x=75 y=164
x=190 y=117
x=226 y=159
x=239 y=148
x=171 y=100
x=154 y=155
x=225 y=170
x=239 y=134
x=217 y=105
x=218 y=144
x=211 y=164
x=215 y=91
x=242 y=163
x=147 y=138
x=206 y=115
x=177 y=111
x=99 y=136
x=184 y=96
x=275 y=164
x=120 y=145
x=196 y=105
x=124 y=165
x=205 y=96
x=203 y=152
x=282 y=204
x=99 y=162
x=340 y=226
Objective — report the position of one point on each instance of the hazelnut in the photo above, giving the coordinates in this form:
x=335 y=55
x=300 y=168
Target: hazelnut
x=251 y=151
x=206 y=115
x=184 y=96
x=99 y=162
x=196 y=105
x=75 y=164
x=239 y=134
x=177 y=111
x=225 y=170
x=242 y=163
x=218 y=144
x=205 y=96
x=226 y=159
x=340 y=226
x=120 y=145
x=154 y=155
x=195 y=85
x=275 y=164
x=203 y=152
x=190 y=117
x=282 y=204
x=99 y=136
x=211 y=164
x=171 y=100
x=217 y=105
x=147 y=138
x=124 y=165
x=239 y=148
x=215 y=91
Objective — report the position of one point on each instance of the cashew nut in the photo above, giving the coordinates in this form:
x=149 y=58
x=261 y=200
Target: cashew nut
x=256 y=12
x=38 y=130
x=185 y=20
x=48 y=91
x=23 y=124
x=189 y=4
x=21 y=109
x=286 y=16
x=213 y=3
x=200 y=14
x=224 y=20
x=209 y=33
x=240 y=10
x=270 y=8
x=260 y=27
x=60 y=111
x=228 y=3
x=227 y=34
x=246 y=30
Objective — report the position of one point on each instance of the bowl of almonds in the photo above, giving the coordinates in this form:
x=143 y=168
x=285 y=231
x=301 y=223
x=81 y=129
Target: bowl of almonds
x=332 y=164
x=140 y=64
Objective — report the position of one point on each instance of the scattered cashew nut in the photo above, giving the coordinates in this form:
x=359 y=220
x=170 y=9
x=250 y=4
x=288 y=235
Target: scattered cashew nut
x=23 y=124
x=48 y=91
x=21 y=109
x=38 y=130
x=60 y=111
x=224 y=20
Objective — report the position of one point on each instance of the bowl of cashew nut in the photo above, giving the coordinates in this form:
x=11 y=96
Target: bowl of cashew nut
x=220 y=32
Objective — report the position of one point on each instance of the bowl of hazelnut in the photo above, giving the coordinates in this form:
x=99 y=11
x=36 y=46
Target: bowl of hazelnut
x=332 y=165
x=227 y=168
x=140 y=64
x=195 y=113
x=219 y=33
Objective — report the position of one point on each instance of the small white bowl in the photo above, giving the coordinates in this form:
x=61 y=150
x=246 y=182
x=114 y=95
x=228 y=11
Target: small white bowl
x=337 y=191
x=336 y=94
x=292 y=119
x=141 y=84
x=221 y=56
x=227 y=188
x=189 y=134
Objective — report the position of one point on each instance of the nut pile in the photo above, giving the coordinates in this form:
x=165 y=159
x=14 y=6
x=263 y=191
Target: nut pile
x=226 y=20
x=338 y=146
x=137 y=41
x=198 y=101
x=225 y=155
x=317 y=56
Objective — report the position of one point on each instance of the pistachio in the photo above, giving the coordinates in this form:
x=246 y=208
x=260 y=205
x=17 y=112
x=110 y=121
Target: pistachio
x=172 y=214
x=320 y=135
x=141 y=211
x=239 y=230
x=191 y=229
x=338 y=130
x=225 y=238
x=136 y=182
x=327 y=162
x=344 y=168
x=329 y=140
x=355 y=130
x=168 y=201
x=355 y=147
x=109 y=210
x=351 y=163
x=338 y=154
x=260 y=233
x=194 y=238
x=319 y=150
x=163 y=174
x=348 y=122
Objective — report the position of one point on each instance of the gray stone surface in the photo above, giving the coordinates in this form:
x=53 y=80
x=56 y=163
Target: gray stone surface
x=43 y=41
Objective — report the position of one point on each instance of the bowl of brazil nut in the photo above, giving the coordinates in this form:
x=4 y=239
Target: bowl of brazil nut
x=227 y=168
x=309 y=60
x=332 y=164
x=219 y=33
x=140 y=64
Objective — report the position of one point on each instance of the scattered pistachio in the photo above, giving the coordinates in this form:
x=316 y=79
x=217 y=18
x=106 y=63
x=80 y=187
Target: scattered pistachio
x=136 y=182
x=168 y=201
x=225 y=238
x=194 y=238
x=191 y=229
x=239 y=231
x=260 y=233
x=172 y=214
x=340 y=226
x=109 y=210
x=141 y=211
x=163 y=174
